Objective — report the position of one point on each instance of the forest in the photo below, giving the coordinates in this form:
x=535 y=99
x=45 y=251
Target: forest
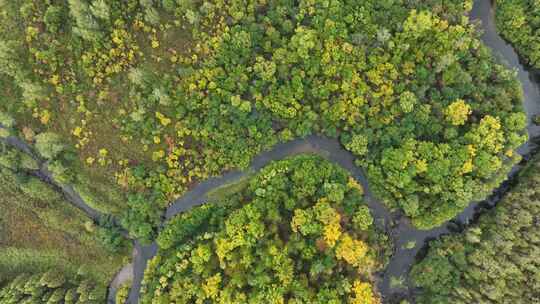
x=519 y=22
x=296 y=232
x=159 y=96
x=112 y=111
x=50 y=251
x=493 y=261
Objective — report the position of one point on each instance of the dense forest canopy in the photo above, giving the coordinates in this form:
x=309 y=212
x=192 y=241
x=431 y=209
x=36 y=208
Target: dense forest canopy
x=167 y=94
x=297 y=232
x=519 y=22
x=126 y=105
x=494 y=261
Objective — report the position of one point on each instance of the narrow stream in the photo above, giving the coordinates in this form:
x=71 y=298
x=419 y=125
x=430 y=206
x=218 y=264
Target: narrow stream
x=402 y=232
x=328 y=148
x=45 y=175
x=76 y=200
x=400 y=229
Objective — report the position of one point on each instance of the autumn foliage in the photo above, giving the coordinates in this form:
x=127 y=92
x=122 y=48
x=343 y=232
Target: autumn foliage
x=165 y=95
x=287 y=237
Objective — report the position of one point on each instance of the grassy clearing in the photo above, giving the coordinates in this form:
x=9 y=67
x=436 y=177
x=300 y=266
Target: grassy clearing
x=220 y=193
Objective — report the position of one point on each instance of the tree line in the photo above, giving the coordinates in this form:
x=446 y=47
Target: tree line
x=493 y=261
x=519 y=22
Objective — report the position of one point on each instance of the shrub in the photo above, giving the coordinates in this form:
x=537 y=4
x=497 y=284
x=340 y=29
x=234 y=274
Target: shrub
x=54 y=18
x=52 y=279
x=49 y=145
x=86 y=26
x=108 y=234
x=39 y=190
x=15 y=159
x=123 y=293
x=60 y=172
x=6 y=120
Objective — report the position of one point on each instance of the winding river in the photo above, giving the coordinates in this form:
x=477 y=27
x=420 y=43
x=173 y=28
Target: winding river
x=399 y=228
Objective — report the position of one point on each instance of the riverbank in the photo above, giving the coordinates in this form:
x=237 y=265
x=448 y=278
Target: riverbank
x=408 y=240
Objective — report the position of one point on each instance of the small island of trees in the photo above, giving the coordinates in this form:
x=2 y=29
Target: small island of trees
x=297 y=232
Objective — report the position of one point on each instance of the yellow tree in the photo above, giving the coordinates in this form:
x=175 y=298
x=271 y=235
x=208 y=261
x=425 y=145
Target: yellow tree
x=457 y=112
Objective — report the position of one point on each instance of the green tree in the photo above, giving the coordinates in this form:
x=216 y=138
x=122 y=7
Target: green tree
x=100 y=9
x=52 y=279
x=358 y=145
x=249 y=246
x=54 y=18
x=86 y=26
x=49 y=145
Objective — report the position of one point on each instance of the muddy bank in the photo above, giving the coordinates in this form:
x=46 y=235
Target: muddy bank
x=123 y=276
